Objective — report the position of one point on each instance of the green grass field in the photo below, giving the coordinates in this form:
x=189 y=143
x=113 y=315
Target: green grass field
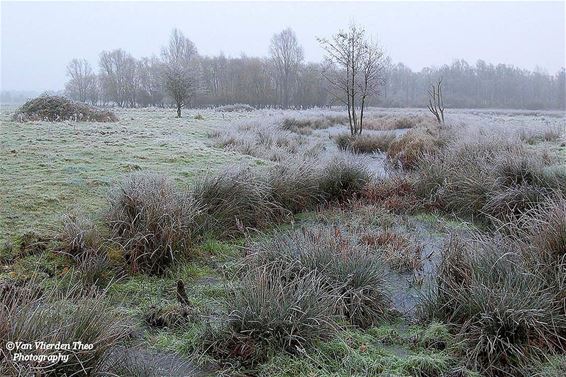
x=48 y=168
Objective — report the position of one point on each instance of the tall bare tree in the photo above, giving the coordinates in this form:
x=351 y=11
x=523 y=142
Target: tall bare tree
x=355 y=70
x=180 y=58
x=82 y=80
x=287 y=56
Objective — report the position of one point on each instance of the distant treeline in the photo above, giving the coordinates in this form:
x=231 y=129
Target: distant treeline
x=125 y=81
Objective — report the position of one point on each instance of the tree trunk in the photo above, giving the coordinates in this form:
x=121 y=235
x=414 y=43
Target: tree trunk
x=362 y=115
x=178 y=110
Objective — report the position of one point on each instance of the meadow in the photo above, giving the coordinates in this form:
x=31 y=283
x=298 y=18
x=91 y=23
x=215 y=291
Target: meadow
x=269 y=242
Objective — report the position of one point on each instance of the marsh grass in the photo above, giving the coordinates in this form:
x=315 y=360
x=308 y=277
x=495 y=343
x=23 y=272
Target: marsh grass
x=351 y=272
x=266 y=139
x=270 y=314
x=365 y=143
x=488 y=177
x=234 y=201
x=152 y=221
x=306 y=125
x=59 y=314
x=505 y=312
x=407 y=150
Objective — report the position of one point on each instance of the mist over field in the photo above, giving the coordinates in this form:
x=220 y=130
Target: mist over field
x=421 y=39
x=292 y=189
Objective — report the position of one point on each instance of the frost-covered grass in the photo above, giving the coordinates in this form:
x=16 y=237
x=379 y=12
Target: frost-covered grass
x=47 y=168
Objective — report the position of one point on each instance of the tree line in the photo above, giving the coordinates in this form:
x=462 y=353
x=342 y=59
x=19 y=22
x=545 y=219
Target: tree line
x=180 y=77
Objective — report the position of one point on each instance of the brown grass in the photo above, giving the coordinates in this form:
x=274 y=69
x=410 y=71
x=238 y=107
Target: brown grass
x=406 y=151
x=365 y=143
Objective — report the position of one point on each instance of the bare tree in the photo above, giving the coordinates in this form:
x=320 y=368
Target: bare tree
x=179 y=69
x=287 y=56
x=436 y=102
x=118 y=76
x=150 y=88
x=354 y=69
x=82 y=80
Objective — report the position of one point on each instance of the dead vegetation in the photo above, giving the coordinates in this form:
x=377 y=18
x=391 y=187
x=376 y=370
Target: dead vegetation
x=392 y=122
x=406 y=151
x=152 y=221
x=59 y=315
x=367 y=143
x=306 y=125
x=59 y=109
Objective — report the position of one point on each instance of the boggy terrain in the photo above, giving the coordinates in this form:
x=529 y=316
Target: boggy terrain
x=272 y=243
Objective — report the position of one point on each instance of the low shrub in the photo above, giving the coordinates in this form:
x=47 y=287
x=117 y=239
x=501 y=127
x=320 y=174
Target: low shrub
x=59 y=316
x=348 y=269
x=270 y=315
x=366 y=143
x=504 y=311
x=236 y=200
x=58 y=109
x=152 y=221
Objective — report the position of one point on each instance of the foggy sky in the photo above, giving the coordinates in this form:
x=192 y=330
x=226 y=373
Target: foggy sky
x=39 y=39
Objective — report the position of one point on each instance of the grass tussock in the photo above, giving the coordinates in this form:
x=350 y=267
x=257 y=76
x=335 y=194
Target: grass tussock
x=59 y=315
x=234 y=201
x=342 y=178
x=547 y=230
x=270 y=314
x=351 y=272
x=59 y=109
x=79 y=235
x=407 y=150
x=396 y=193
x=399 y=251
x=506 y=313
x=365 y=143
x=488 y=177
x=307 y=125
x=294 y=185
x=152 y=221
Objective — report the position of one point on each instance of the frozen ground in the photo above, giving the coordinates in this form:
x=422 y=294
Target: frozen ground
x=48 y=168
